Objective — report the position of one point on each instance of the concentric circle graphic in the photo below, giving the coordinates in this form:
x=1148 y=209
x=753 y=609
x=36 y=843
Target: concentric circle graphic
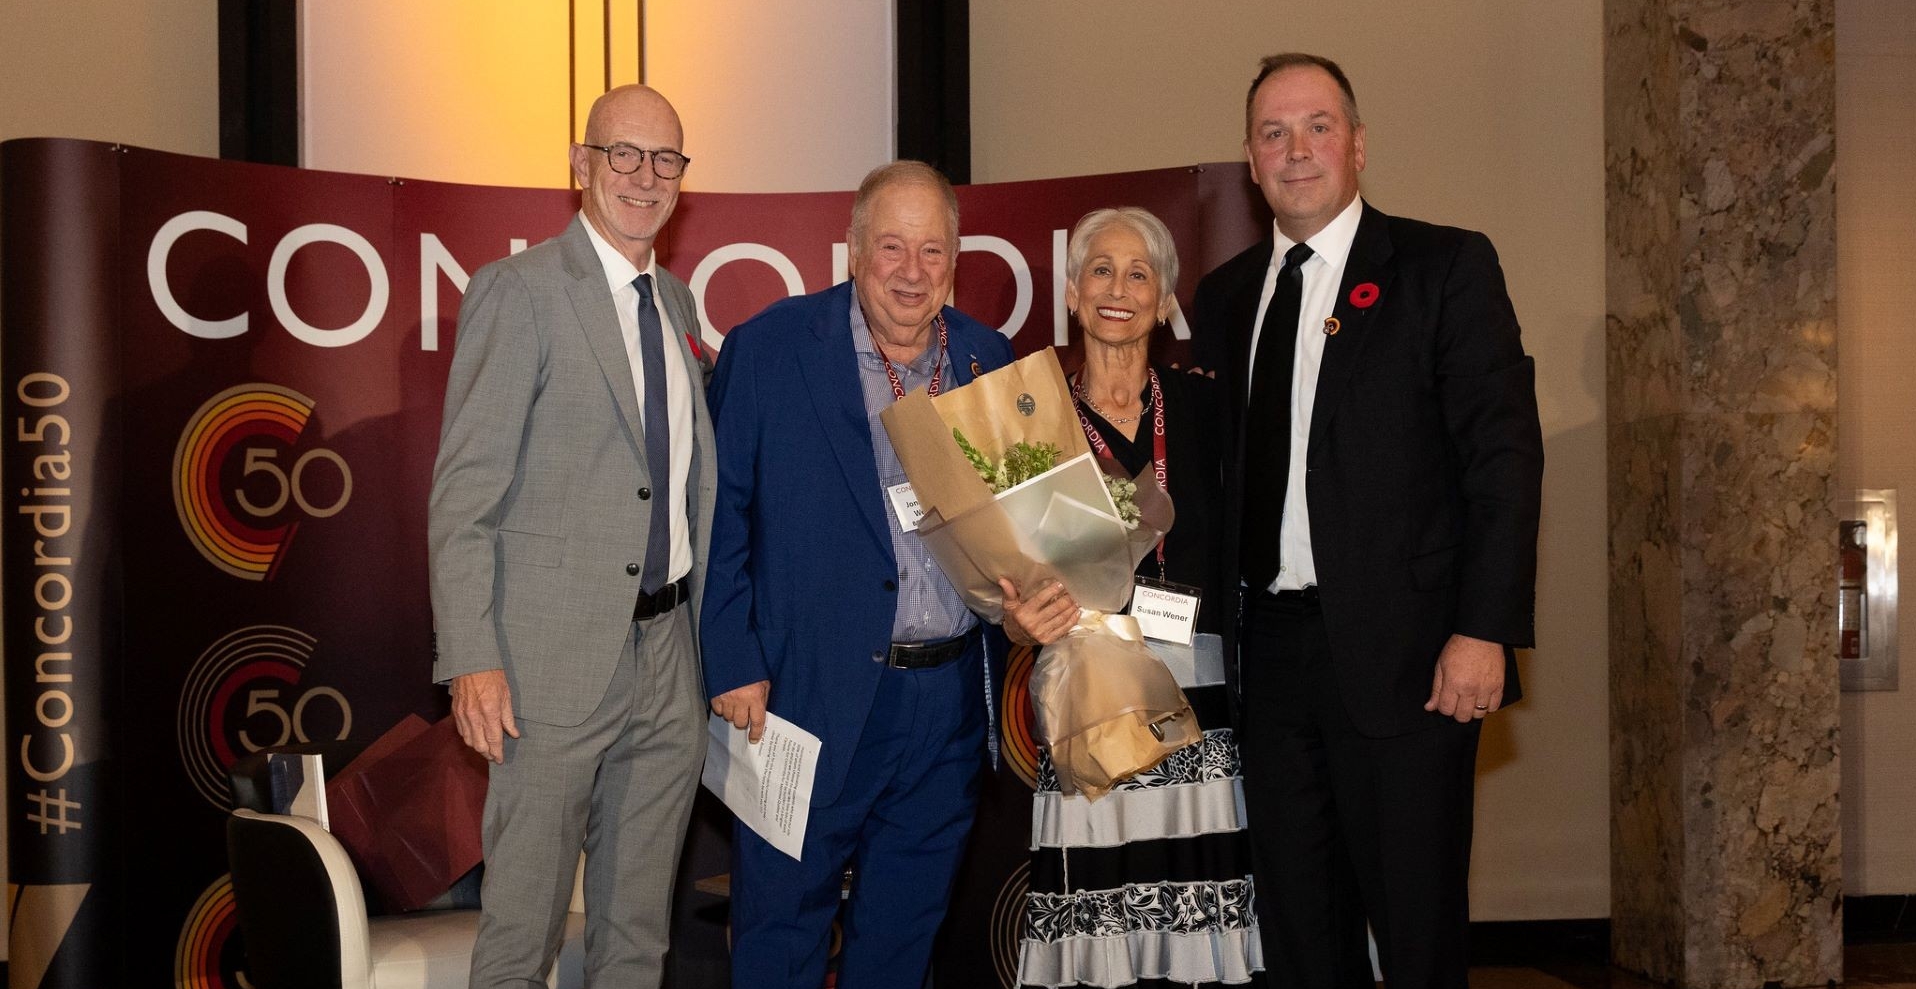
x=228 y=421
x=1007 y=923
x=199 y=960
x=1018 y=726
x=271 y=655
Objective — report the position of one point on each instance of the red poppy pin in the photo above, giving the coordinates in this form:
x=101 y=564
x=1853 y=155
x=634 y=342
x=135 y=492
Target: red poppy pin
x=1364 y=296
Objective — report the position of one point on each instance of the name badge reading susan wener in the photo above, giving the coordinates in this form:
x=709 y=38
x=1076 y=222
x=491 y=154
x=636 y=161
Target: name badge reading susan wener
x=1165 y=611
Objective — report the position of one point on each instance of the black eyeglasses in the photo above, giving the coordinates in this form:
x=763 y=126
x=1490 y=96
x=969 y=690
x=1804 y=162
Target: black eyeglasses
x=625 y=159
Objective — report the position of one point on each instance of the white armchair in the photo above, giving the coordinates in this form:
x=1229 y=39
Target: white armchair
x=303 y=915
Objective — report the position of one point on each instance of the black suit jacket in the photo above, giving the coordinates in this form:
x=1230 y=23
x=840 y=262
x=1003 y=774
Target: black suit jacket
x=1424 y=465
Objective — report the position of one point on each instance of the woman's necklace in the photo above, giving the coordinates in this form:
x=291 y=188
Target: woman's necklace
x=1108 y=417
x=1085 y=395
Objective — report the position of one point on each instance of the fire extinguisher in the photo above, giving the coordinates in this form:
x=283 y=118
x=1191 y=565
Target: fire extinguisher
x=1852 y=570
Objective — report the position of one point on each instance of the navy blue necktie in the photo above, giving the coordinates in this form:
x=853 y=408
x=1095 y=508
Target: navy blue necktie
x=658 y=440
x=1267 y=464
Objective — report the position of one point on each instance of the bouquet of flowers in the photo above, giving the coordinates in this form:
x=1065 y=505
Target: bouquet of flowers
x=1025 y=461
x=1009 y=488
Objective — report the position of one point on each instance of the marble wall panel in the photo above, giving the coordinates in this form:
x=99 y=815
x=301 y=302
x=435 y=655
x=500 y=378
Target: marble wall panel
x=1756 y=134
x=1720 y=175
x=1642 y=186
x=1759 y=702
x=1647 y=836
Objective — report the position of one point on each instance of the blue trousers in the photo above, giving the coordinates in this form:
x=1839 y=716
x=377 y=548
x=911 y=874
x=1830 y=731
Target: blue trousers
x=900 y=822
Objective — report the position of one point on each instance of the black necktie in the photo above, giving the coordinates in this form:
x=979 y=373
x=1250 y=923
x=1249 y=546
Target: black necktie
x=658 y=440
x=1267 y=424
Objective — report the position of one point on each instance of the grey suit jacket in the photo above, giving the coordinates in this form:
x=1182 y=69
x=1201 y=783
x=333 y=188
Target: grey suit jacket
x=535 y=524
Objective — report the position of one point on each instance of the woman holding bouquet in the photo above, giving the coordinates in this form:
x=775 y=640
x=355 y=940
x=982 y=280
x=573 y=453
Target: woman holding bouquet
x=1150 y=885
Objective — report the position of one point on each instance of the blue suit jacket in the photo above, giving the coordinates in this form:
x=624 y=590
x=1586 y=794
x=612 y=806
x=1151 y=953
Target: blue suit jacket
x=800 y=586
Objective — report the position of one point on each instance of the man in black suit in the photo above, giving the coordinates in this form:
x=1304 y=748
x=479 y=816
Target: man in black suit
x=1385 y=490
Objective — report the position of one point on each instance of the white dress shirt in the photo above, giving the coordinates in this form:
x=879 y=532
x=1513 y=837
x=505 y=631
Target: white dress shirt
x=1323 y=272
x=619 y=274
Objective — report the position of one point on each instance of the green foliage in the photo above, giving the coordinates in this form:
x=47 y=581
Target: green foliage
x=987 y=471
x=1026 y=460
x=1124 y=494
x=1022 y=462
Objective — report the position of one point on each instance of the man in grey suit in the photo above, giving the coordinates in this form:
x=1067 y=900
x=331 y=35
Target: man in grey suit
x=571 y=503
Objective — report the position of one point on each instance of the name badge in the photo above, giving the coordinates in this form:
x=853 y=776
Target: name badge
x=904 y=504
x=1165 y=611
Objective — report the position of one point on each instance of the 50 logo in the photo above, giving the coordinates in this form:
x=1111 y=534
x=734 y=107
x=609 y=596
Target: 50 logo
x=1018 y=724
x=1008 y=923
x=234 y=474
x=207 y=955
x=245 y=693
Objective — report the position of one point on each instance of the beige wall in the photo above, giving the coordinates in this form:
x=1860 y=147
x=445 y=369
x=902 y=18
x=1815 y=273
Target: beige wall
x=444 y=90
x=1481 y=113
x=786 y=97
x=1875 y=414
x=142 y=72
x=775 y=96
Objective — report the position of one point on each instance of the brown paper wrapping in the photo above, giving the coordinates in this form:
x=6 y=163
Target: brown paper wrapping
x=1107 y=707
x=1027 y=401
x=1099 y=692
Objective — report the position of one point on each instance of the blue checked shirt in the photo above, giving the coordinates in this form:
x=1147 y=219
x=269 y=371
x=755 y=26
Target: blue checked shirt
x=929 y=607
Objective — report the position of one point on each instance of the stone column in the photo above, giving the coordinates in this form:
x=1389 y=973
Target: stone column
x=1719 y=147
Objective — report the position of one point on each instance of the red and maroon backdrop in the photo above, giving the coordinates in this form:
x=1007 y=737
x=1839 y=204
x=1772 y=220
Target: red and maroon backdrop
x=222 y=392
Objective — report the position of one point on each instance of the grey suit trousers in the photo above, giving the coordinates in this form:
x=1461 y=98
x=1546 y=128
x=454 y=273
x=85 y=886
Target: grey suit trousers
x=620 y=786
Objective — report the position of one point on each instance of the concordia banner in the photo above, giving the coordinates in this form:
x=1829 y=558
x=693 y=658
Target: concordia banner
x=222 y=388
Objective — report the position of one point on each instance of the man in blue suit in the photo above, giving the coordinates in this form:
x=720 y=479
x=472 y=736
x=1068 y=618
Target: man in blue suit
x=821 y=605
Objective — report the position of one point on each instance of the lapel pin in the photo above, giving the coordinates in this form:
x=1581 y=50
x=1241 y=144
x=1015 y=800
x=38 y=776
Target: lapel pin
x=1331 y=326
x=976 y=371
x=1365 y=295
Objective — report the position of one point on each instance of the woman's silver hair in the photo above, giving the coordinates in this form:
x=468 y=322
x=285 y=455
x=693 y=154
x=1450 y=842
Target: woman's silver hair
x=1159 y=248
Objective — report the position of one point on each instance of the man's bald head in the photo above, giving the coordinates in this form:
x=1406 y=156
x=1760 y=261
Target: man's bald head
x=628 y=208
x=625 y=101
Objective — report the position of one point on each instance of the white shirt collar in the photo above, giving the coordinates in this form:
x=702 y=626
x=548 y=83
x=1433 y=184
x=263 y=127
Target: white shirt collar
x=1333 y=243
x=619 y=271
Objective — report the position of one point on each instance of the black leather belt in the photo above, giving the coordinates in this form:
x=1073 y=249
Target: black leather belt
x=925 y=655
x=663 y=600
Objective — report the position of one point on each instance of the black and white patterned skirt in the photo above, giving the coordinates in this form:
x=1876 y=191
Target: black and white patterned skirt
x=1151 y=884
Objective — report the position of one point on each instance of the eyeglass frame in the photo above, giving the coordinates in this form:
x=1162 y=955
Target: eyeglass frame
x=644 y=154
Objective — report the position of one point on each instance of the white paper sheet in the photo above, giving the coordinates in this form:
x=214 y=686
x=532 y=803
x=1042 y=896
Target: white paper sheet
x=767 y=785
x=1200 y=664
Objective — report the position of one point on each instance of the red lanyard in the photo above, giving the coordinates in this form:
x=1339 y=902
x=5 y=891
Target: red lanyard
x=1160 y=463
x=937 y=366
